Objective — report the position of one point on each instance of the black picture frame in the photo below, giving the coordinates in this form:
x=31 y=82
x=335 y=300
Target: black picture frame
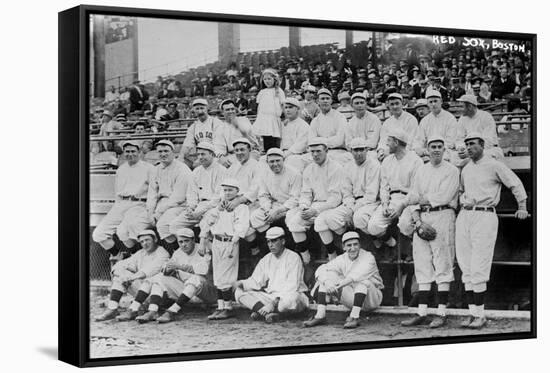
x=74 y=184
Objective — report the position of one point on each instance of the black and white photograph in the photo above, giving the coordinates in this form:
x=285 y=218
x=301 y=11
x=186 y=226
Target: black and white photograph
x=262 y=186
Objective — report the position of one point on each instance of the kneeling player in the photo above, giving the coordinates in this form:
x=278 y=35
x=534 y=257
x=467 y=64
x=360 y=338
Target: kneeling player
x=277 y=283
x=353 y=277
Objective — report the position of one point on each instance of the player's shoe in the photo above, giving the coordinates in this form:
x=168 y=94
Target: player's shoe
x=127 y=315
x=256 y=316
x=166 y=317
x=478 y=323
x=438 y=321
x=314 y=322
x=214 y=315
x=417 y=320
x=225 y=314
x=272 y=317
x=147 y=317
x=466 y=323
x=352 y=323
x=107 y=315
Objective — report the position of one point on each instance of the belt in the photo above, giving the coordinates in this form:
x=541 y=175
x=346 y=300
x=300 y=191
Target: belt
x=397 y=191
x=204 y=199
x=479 y=208
x=358 y=197
x=428 y=208
x=132 y=198
x=222 y=238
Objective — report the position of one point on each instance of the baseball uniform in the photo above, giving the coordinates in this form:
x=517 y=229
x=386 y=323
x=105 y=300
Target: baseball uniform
x=368 y=127
x=279 y=192
x=476 y=231
x=273 y=278
x=396 y=178
x=484 y=123
x=443 y=124
x=331 y=126
x=406 y=122
x=200 y=131
x=294 y=142
x=364 y=274
x=167 y=194
x=203 y=194
x=228 y=132
x=128 y=216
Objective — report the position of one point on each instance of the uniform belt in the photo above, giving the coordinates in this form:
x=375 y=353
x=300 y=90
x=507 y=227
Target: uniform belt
x=428 y=208
x=397 y=191
x=222 y=238
x=132 y=198
x=479 y=208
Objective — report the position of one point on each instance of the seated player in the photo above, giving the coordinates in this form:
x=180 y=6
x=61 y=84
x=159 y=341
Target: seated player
x=353 y=277
x=277 y=283
x=129 y=275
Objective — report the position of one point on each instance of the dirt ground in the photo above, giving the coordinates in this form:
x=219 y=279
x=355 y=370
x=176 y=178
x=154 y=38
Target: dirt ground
x=192 y=332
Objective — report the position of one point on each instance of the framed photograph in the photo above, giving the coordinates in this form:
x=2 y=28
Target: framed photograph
x=235 y=186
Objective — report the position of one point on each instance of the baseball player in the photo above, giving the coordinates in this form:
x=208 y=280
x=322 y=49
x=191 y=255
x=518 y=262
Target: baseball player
x=476 y=120
x=363 y=124
x=277 y=283
x=320 y=195
x=226 y=228
x=353 y=278
x=438 y=122
x=186 y=275
x=477 y=223
x=330 y=124
x=232 y=128
x=129 y=275
x=396 y=176
x=294 y=134
x=200 y=130
x=434 y=197
x=167 y=193
x=361 y=187
x=204 y=190
x=399 y=119
x=128 y=215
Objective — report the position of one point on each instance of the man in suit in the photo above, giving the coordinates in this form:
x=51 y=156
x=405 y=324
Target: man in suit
x=138 y=96
x=503 y=85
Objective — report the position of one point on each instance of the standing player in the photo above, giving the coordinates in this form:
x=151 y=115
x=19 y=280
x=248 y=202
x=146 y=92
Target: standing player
x=226 y=228
x=128 y=215
x=363 y=124
x=320 y=193
x=353 y=278
x=186 y=275
x=477 y=223
x=400 y=120
x=434 y=196
x=129 y=275
x=167 y=193
x=277 y=283
x=294 y=135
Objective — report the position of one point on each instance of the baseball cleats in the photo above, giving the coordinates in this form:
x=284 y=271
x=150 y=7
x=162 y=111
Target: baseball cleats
x=166 y=317
x=466 y=323
x=478 y=323
x=225 y=314
x=352 y=323
x=256 y=316
x=127 y=315
x=314 y=322
x=417 y=320
x=272 y=317
x=438 y=321
x=107 y=315
x=214 y=315
x=147 y=317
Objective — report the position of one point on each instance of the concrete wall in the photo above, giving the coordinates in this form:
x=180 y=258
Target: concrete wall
x=119 y=63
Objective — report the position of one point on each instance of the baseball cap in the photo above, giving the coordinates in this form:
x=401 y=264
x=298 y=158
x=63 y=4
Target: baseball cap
x=358 y=143
x=398 y=134
x=292 y=101
x=242 y=140
x=130 y=143
x=147 y=232
x=421 y=102
x=343 y=96
x=436 y=138
x=433 y=93
x=394 y=95
x=199 y=101
x=317 y=141
x=349 y=235
x=206 y=146
x=324 y=91
x=230 y=182
x=275 y=151
x=358 y=95
x=274 y=232
x=165 y=142
x=471 y=99
x=185 y=232
x=473 y=135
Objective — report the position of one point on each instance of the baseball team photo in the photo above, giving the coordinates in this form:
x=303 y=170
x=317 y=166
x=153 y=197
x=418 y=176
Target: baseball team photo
x=261 y=186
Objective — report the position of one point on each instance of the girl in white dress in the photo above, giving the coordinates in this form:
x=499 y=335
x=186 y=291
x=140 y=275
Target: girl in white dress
x=270 y=106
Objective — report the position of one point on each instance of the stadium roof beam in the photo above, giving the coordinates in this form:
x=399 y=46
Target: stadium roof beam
x=349 y=39
x=228 y=41
x=294 y=39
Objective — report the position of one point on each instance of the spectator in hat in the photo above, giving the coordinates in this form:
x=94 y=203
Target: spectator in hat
x=345 y=108
x=440 y=88
x=138 y=96
x=456 y=90
x=108 y=124
x=412 y=56
x=270 y=100
x=163 y=92
x=172 y=112
x=197 y=88
x=504 y=85
x=161 y=110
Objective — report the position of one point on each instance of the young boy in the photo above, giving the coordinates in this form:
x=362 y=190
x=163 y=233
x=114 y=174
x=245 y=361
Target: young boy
x=226 y=225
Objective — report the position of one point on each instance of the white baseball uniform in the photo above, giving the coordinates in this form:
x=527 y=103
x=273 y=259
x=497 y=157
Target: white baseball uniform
x=443 y=124
x=331 y=126
x=279 y=192
x=396 y=178
x=273 y=278
x=228 y=132
x=167 y=194
x=364 y=274
x=128 y=215
x=294 y=142
x=321 y=190
x=435 y=186
x=203 y=194
x=476 y=231
x=361 y=190
x=200 y=131
x=483 y=123
x=368 y=127
x=406 y=122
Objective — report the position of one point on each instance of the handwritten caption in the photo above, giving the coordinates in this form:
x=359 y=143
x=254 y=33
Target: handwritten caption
x=478 y=42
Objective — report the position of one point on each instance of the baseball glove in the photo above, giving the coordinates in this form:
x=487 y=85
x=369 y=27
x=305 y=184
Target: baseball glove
x=426 y=232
